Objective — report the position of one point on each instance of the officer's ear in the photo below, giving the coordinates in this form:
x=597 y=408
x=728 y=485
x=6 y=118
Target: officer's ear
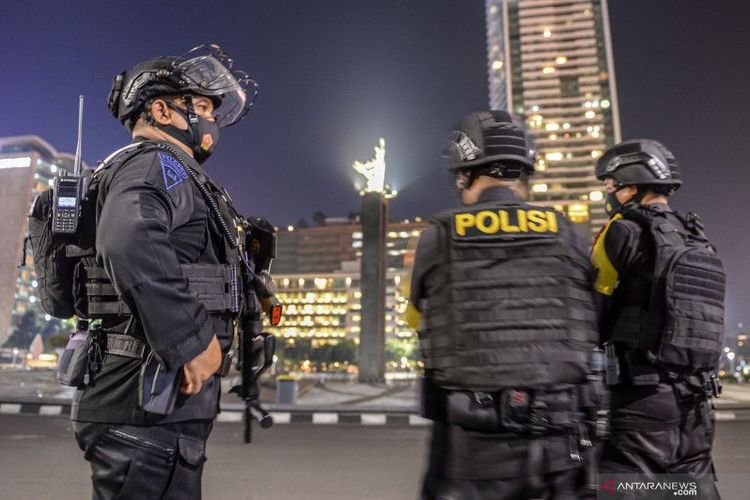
x=160 y=112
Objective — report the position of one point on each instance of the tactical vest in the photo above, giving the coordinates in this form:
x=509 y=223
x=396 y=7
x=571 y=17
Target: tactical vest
x=73 y=282
x=511 y=309
x=683 y=327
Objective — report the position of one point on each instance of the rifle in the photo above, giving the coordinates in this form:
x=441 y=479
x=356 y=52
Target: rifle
x=257 y=245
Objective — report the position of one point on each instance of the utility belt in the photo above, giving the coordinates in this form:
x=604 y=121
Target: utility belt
x=217 y=287
x=567 y=413
x=558 y=410
x=84 y=355
x=628 y=367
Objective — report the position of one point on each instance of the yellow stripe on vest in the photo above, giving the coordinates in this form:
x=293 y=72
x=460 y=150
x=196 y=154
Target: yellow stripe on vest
x=413 y=316
x=606 y=274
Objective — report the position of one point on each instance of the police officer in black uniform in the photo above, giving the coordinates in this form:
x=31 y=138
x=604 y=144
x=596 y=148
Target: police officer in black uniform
x=503 y=304
x=156 y=237
x=661 y=289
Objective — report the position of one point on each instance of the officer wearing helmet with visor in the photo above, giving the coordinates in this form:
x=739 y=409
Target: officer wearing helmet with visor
x=155 y=236
x=660 y=288
x=502 y=301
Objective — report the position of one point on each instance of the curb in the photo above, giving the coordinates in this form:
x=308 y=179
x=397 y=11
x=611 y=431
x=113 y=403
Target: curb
x=368 y=419
x=318 y=415
x=281 y=414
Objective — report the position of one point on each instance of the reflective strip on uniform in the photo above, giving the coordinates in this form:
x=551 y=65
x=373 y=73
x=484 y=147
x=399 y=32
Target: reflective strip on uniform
x=606 y=274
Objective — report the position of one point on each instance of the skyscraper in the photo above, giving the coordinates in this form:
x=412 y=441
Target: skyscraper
x=551 y=61
x=28 y=165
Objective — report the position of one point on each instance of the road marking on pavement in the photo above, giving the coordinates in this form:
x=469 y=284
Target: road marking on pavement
x=10 y=408
x=50 y=410
x=229 y=416
x=325 y=418
x=417 y=420
x=721 y=415
x=373 y=418
x=281 y=417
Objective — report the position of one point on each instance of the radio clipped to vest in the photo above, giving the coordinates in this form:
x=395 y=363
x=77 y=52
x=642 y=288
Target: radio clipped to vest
x=66 y=206
x=68 y=190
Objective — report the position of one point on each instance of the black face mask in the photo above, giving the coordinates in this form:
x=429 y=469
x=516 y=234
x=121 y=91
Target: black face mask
x=613 y=205
x=201 y=135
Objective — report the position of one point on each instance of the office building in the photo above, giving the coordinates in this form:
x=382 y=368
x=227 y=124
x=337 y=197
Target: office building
x=551 y=61
x=317 y=274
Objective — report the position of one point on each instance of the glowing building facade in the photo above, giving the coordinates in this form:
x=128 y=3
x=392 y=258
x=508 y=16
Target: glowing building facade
x=317 y=276
x=551 y=61
x=327 y=306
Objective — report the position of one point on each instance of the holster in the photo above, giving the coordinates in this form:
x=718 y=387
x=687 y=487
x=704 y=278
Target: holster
x=704 y=385
x=157 y=388
x=476 y=411
x=82 y=358
x=72 y=364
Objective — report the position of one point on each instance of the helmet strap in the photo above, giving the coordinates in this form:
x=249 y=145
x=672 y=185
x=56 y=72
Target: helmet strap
x=186 y=137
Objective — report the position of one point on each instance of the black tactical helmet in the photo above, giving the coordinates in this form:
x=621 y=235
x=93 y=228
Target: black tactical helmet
x=205 y=70
x=490 y=139
x=639 y=162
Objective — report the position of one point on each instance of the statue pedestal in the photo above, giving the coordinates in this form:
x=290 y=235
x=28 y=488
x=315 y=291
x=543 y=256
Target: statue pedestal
x=372 y=334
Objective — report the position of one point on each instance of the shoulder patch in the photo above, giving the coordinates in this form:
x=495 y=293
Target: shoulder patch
x=173 y=171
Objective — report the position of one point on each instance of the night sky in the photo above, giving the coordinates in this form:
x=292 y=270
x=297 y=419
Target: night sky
x=337 y=75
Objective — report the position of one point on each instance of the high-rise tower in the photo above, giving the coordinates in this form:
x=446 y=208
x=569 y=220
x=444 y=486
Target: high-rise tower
x=551 y=61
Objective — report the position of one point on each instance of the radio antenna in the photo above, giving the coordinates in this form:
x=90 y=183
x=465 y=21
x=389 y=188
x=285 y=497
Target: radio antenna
x=77 y=163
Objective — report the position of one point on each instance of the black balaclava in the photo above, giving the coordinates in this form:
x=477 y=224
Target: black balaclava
x=613 y=206
x=201 y=136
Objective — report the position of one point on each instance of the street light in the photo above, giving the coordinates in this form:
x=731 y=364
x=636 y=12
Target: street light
x=730 y=357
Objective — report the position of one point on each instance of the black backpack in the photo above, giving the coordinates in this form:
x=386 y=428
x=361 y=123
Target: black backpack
x=688 y=294
x=56 y=255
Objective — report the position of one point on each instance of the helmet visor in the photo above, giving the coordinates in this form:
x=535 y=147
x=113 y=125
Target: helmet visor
x=208 y=71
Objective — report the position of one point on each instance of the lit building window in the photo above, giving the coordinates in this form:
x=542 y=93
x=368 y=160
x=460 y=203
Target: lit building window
x=578 y=212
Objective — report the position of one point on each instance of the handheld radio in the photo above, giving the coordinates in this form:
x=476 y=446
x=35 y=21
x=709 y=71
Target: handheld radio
x=66 y=207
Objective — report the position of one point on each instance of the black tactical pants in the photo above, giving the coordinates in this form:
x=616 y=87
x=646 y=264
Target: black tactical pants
x=497 y=467
x=163 y=462
x=654 y=432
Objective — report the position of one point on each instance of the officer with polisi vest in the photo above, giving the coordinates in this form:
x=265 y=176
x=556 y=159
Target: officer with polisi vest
x=161 y=268
x=502 y=301
x=660 y=286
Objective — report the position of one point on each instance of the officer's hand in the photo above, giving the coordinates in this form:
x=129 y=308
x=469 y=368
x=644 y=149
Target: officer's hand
x=201 y=368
